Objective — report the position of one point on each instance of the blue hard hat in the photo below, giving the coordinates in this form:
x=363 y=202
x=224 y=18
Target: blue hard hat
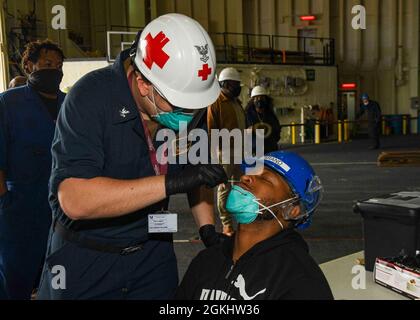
x=365 y=96
x=300 y=176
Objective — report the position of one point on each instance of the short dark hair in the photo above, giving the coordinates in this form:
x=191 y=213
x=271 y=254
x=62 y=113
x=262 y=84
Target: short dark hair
x=33 y=51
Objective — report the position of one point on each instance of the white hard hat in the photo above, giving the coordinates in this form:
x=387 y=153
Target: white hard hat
x=259 y=91
x=177 y=56
x=229 y=74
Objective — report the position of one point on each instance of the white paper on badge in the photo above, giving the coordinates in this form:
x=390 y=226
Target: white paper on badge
x=163 y=223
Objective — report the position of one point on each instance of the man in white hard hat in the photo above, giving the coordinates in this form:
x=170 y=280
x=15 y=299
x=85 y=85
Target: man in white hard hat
x=227 y=113
x=111 y=237
x=260 y=115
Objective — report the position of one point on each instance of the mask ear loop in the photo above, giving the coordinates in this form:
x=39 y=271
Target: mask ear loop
x=153 y=101
x=269 y=210
x=283 y=202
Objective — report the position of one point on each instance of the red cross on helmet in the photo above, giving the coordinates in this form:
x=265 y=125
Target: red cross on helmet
x=177 y=56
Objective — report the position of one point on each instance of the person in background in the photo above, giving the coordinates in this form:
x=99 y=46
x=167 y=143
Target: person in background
x=27 y=124
x=227 y=113
x=330 y=119
x=313 y=115
x=260 y=115
x=266 y=259
x=374 y=118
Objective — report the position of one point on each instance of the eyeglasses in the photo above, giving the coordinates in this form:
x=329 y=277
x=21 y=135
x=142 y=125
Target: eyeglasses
x=162 y=96
x=175 y=109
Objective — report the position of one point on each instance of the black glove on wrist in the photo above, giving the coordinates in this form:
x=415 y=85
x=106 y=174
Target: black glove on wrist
x=210 y=237
x=193 y=177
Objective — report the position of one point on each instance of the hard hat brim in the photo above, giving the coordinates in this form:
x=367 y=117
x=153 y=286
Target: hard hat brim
x=192 y=100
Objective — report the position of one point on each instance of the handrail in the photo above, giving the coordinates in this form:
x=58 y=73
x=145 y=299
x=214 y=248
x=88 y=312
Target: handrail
x=298 y=37
x=322 y=122
x=264 y=51
x=270 y=35
x=243 y=34
x=268 y=53
x=343 y=128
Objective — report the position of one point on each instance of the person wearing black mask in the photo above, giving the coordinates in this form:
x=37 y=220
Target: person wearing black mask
x=260 y=115
x=27 y=125
x=44 y=68
x=227 y=113
x=374 y=112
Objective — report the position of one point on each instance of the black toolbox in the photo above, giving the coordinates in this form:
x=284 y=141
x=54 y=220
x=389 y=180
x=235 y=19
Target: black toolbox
x=391 y=224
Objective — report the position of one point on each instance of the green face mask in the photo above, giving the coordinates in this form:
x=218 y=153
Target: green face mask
x=171 y=120
x=245 y=207
x=242 y=205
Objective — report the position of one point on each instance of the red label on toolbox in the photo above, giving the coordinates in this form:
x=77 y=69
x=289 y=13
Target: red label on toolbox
x=398 y=278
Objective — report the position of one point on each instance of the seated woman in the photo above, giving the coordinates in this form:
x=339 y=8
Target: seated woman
x=266 y=259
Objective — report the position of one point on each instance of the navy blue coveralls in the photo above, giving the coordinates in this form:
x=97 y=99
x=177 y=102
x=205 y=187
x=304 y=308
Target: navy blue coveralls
x=374 y=118
x=100 y=134
x=268 y=117
x=26 y=134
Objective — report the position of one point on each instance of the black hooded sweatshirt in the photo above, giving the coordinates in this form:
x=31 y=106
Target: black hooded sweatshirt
x=279 y=268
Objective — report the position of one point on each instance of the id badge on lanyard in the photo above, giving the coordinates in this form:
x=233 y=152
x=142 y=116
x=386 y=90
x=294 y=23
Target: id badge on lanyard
x=163 y=222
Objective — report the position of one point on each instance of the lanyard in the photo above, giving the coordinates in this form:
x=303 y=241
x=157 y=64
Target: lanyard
x=160 y=169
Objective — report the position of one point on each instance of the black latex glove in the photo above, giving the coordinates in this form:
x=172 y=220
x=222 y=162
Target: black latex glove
x=193 y=177
x=210 y=237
